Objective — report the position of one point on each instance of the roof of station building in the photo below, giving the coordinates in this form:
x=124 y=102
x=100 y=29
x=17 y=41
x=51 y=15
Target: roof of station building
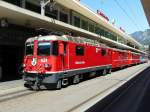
x=24 y=17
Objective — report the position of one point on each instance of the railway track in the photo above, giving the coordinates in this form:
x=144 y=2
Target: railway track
x=13 y=89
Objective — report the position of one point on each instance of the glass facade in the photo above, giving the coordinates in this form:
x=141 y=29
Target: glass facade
x=15 y=2
x=53 y=14
x=91 y=28
x=84 y=24
x=63 y=17
x=33 y=7
x=76 y=21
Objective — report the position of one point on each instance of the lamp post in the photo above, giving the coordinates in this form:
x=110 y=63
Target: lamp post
x=43 y=4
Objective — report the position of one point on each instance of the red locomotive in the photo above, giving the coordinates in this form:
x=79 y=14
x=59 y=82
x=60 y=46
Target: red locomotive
x=53 y=61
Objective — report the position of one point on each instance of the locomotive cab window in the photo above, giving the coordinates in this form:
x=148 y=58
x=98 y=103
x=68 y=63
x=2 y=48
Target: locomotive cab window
x=103 y=52
x=44 y=48
x=79 y=50
x=29 y=49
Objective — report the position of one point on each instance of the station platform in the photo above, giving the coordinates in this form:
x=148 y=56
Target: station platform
x=10 y=84
x=75 y=98
x=11 y=87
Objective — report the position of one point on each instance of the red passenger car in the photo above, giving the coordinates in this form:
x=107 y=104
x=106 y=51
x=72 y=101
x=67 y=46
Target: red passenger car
x=120 y=58
x=135 y=58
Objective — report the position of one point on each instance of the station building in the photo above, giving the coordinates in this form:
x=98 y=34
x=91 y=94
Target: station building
x=146 y=6
x=20 y=18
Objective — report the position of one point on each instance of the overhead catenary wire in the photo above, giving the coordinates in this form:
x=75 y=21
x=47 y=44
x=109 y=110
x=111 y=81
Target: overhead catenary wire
x=130 y=18
x=132 y=12
x=126 y=13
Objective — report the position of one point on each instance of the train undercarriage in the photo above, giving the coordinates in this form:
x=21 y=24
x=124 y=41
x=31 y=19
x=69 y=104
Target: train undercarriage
x=37 y=81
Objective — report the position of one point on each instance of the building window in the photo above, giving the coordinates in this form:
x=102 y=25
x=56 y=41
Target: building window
x=63 y=17
x=106 y=34
x=15 y=2
x=79 y=50
x=33 y=7
x=102 y=32
x=91 y=28
x=97 y=30
x=114 y=37
x=77 y=21
x=52 y=14
x=84 y=24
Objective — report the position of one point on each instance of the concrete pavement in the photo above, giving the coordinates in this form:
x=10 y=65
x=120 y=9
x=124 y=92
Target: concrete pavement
x=73 y=98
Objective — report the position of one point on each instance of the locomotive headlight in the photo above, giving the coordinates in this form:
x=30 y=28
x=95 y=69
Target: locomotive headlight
x=47 y=66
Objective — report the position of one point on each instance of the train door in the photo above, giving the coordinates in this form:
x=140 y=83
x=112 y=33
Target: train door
x=63 y=50
x=104 y=54
x=129 y=58
x=109 y=56
x=66 y=56
x=120 y=59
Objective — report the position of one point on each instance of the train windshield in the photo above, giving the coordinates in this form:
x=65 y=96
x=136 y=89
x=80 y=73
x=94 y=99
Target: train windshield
x=29 y=48
x=44 y=48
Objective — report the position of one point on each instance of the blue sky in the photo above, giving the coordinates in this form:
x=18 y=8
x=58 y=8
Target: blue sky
x=136 y=20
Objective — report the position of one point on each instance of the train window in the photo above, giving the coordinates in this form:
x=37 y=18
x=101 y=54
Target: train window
x=79 y=50
x=29 y=49
x=103 y=52
x=55 y=48
x=119 y=56
x=44 y=48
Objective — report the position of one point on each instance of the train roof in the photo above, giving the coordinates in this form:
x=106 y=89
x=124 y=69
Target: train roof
x=80 y=40
x=46 y=38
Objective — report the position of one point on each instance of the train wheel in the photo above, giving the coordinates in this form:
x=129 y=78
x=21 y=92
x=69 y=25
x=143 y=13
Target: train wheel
x=65 y=82
x=76 y=79
x=104 y=72
x=59 y=84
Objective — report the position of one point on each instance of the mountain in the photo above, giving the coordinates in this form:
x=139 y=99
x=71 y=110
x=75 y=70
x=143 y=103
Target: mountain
x=142 y=36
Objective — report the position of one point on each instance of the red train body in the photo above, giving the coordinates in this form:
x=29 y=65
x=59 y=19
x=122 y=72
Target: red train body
x=53 y=61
